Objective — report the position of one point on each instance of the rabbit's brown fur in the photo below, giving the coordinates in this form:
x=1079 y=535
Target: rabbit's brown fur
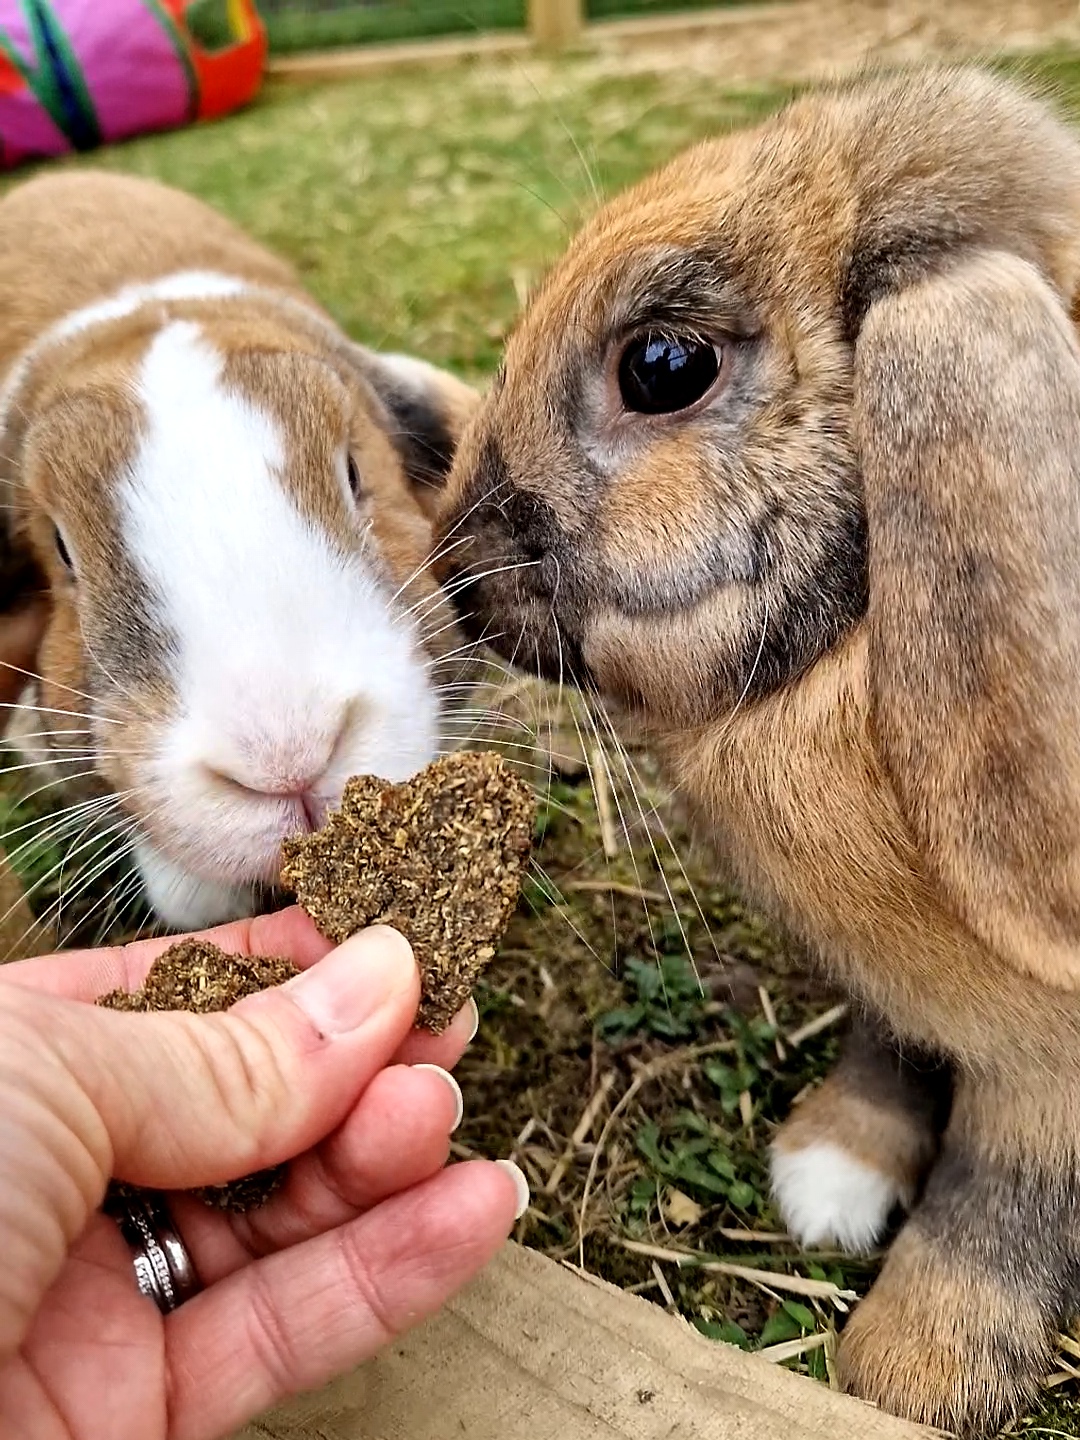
x=842 y=593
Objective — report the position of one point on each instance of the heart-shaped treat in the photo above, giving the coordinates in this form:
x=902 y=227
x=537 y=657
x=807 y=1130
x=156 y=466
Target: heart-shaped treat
x=440 y=858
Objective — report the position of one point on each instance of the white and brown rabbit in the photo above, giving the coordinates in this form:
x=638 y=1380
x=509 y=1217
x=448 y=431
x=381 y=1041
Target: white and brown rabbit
x=788 y=446
x=226 y=506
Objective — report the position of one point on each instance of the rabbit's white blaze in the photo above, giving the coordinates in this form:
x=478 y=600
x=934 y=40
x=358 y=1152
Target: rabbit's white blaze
x=290 y=671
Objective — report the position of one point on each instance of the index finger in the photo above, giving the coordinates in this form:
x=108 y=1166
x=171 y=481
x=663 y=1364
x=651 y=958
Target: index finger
x=86 y=974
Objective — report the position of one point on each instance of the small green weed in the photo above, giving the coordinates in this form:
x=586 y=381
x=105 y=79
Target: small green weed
x=667 y=1000
x=749 y=1069
x=555 y=805
x=726 y=1331
x=790 y=1322
x=698 y=1156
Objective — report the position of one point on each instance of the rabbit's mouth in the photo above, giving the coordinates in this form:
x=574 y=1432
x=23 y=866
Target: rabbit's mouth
x=546 y=600
x=675 y=655
x=524 y=617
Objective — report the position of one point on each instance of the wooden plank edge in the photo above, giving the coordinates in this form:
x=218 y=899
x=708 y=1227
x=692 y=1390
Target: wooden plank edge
x=534 y=1351
x=319 y=65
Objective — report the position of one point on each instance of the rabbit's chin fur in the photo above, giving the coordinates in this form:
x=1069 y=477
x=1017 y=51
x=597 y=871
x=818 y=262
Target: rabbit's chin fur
x=230 y=504
x=834 y=573
x=183 y=901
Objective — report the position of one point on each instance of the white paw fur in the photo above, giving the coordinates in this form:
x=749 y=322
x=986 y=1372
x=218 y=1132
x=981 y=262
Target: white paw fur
x=826 y=1197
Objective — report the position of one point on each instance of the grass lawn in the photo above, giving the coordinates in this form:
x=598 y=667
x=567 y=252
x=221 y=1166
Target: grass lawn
x=420 y=207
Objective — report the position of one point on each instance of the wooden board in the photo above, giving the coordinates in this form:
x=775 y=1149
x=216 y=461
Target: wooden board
x=534 y=1351
x=318 y=66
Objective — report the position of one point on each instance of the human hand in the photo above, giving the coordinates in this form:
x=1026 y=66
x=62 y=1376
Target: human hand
x=368 y=1235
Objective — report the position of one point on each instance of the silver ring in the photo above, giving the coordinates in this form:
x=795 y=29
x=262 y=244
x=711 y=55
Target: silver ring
x=164 y=1271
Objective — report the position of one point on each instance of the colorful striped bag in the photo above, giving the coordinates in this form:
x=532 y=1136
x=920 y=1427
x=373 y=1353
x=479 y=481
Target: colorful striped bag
x=79 y=73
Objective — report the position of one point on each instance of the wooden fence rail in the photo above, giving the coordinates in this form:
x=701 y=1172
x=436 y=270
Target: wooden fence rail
x=551 y=25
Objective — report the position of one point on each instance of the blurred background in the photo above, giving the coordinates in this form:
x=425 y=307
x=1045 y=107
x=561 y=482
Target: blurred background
x=305 y=24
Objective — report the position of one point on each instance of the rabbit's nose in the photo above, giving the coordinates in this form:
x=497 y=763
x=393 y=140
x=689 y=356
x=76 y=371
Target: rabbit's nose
x=307 y=801
x=289 y=765
x=530 y=523
x=515 y=521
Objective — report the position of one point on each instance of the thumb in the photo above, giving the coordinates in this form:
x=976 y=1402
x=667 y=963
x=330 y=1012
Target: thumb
x=181 y=1100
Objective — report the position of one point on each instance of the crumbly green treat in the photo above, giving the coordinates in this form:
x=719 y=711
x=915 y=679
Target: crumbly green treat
x=196 y=976
x=440 y=857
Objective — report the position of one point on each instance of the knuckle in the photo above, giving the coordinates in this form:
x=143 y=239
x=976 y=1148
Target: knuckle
x=364 y=1284
x=270 y=1341
x=329 y=1178
x=248 y=1074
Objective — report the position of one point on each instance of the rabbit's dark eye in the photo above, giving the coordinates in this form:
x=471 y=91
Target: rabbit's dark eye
x=660 y=374
x=354 y=477
x=63 y=552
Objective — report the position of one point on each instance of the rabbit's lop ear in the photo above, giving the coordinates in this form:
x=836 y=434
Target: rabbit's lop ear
x=428 y=409
x=967 y=402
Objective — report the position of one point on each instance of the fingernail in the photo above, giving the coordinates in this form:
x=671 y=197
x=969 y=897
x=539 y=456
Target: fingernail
x=459 y=1100
x=354 y=981
x=521 y=1185
x=474 y=1011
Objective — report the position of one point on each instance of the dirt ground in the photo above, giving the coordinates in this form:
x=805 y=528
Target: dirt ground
x=804 y=41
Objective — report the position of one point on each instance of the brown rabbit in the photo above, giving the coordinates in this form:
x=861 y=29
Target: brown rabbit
x=784 y=460
x=215 y=542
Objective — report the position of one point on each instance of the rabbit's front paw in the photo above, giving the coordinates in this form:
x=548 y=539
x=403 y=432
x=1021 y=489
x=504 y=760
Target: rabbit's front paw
x=942 y=1344
x=857 y=1148
x=826 y=1196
